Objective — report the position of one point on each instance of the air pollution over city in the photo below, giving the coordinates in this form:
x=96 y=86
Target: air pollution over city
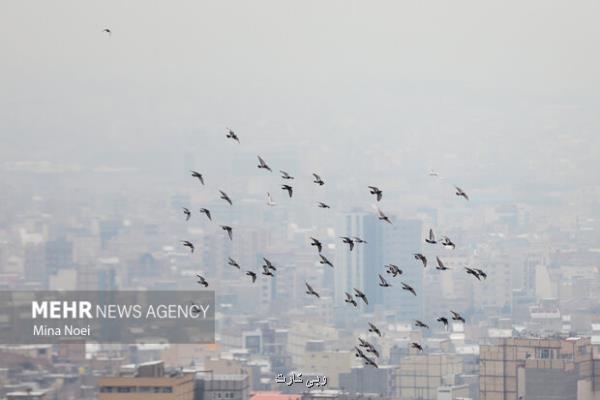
x=299 y=200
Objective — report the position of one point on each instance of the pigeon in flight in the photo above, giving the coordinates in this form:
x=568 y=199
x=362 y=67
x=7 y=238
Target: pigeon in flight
x=262 y=164
x=444 y=321
x=471 y=271
x=440 y=265
x=233 y=263
x=358 y=352
x=207 y=212
x=417 y=346
x=269 y=264
x=358 y=293
x=225 y=197
x=350 y=300
x=408 y=288
x=383 y=282
x=288 y=188
x=461 y=193
x=187 y=213
x=457 y=317
x=323 y=205
x=267 y=271
x=374 y=329
x=198 y=175
x=446 y=242
x=431 y=238
x=421 y=324
x=376 y=191
x=318 y=244
x=270 y=201
x=422 y=258
x=382 y=216
x=358 y=240
x=285 y=175
x=229 y=231
x=318 y=180
x=481 y=273
x=364 y=343
x=370 y=361
x=188 y=244
x=231 y=135
x=252 y=275
x=325 y=260
x=106 y=30
x=348 y=241
x=311 y=291
x=393 y=269
x=202 y=281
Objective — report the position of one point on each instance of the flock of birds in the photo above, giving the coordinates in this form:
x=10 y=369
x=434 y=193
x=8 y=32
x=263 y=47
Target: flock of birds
x=269 y=269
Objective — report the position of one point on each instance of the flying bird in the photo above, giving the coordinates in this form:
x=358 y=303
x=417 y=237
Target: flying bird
x=325 y=260
x=473 y=272
x=285 y=175
x=440 y=265
x=270 y=201
x=457 y=317
x=233 y=263
x=350 y=300
x=481 y=273
x=358 y=293
x=370 y=361
x=252 y=275
x=225 y=197
x=358 y=352
x=422 y=258
x=446 y=242
x=348 y=241
x=187 y=213
x=262 y=164
x=358 y=240
x=444 y=321
x=431 y=238
x=318 y=180
x=202 y=281
x=188 y=244
x=417 y=346
x=311 y=291
x=316 y=243
x=288 y=188
x=229 y=231
x=461 y=193
x=376 y=191
x=269 y=264
x=408 y=288
x=421 y=324
x=372 y=349
x=374 y=329
x=393 y=269
x=106 y=30
x=267 y=271
x=198 y=175
x=382 y=216
x=323 y=205
x=364 y=343
x=205 y=211
x=383 y=282
x=231 y=135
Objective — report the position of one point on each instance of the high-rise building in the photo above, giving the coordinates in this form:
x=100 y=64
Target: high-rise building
x=401 y=240
x=516 y=368
x=358 y=268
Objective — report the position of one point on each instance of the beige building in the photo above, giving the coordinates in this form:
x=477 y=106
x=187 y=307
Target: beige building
x=537 y=369
x=420 y=376
x=147 y=381
x=328 y=363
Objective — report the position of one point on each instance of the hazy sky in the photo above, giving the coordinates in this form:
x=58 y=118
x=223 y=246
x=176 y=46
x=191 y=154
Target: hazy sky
x=476 y=79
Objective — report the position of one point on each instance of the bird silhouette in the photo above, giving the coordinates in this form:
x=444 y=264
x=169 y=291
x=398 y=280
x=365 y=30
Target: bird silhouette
x=325 y=260
x=440 y=265
x=318 y=180
x=202 y=281
x=285 y=175
x=252 y=275
x=106 y=30
x=350 y=299
x=422 y=258
x=311 y=291
x=457 y=317
x=231 y=135
x=270 y=201
x=229 y=231
x=263 y=165
x=189 y=244
x=446 y=242
x=233 y=263
x=444 y=321
x=431 y=238
x=360 y=294
x=374 y=329
x=322 y=205
x=198 y=175
x=225 y=197
x=393 y=269
x=417 y=346
x=421 y=324
x=187 y=213
x=206 y=212
x=376 y=191
x=382 y=216
x=383 y=282
x=348 y=241
x=461 y=193
x=408 y=288
x=288 y=188
x=316 y=243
